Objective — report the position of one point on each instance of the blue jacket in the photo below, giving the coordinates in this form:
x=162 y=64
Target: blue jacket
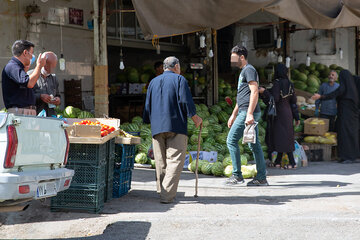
x=168 y=104
x=328 y=107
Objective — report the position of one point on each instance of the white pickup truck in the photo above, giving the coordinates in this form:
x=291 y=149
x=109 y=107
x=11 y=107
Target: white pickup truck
x=33 y=155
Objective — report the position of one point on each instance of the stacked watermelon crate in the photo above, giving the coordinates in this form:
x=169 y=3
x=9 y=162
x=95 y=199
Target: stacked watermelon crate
x=124 y=164
x=88 y=187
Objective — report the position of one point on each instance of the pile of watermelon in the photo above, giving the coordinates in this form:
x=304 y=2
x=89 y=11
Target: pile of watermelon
x=133 y=75
x=73 y=112
x=213 y=135
x=310 y=78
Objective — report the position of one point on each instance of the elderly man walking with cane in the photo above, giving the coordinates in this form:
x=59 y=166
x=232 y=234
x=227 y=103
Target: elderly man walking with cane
x=168 y=105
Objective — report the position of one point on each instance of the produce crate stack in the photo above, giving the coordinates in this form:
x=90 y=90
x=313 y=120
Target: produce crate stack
x=319 y=141
x=88 y=187
x=109 y=176
x=124 y=163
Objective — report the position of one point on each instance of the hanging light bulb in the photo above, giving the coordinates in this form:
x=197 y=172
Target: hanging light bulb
x=158 y=49
x=280 y=59
x=287 y=62
x=62 y=62
x=308 y=59
x=278 y=42
x=121 y=65
x=341 y=53
x=211 y=53
x=202 y=41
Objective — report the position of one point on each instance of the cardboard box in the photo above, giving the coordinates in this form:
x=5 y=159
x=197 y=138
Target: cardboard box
x=90 y=131
x=316 y=129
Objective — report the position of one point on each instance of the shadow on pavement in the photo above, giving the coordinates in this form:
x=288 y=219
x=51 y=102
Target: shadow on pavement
x=231 y=200
x=121 y=230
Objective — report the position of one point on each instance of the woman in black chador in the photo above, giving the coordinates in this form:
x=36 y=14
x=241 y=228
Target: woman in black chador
x=280 y=129
x=347 y=122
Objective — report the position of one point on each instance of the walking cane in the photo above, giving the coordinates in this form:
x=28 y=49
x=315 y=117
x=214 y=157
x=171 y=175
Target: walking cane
x=197 y=163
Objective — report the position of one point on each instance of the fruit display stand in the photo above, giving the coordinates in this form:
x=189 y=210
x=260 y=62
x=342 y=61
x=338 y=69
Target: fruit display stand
x=92 y=159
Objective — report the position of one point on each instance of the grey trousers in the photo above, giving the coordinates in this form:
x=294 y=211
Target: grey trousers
x=169 y=153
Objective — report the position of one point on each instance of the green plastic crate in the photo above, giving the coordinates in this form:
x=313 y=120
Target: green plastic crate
x=87 y=153
x=79 y=199
x=88 y=174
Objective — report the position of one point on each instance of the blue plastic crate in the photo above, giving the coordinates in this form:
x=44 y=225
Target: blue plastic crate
x=88 y=174
x=124 y=156
x=87 y=153
x=79 y=198
x=122 y=182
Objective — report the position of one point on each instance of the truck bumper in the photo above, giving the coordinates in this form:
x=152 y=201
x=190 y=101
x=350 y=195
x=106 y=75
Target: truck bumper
x=10 y=183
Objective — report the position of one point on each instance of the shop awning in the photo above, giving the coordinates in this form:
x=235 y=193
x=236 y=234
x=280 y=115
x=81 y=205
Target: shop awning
x=164 y=18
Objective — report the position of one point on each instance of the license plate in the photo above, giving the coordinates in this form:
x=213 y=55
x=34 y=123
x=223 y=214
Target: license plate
x=46 y=190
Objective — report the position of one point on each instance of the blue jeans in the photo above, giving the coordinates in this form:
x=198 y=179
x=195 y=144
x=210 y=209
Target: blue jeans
x=236 y=132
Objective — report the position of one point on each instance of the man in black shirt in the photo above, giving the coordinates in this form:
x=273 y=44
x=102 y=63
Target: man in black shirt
x=16 y=83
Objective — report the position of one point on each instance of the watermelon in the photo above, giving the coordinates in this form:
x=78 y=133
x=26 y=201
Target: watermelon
x=215 y=109
x=312 y=81
x=311 y=90
x=220 y=157
x=207 y=147
x=210 y=141
x=194 y=139
x=198 y=108
x=206 y=123
x=221 y=138
x=227 y=161
x=300 y=85
x=133 y=76
x=223 y=117
x=228 y=171
x=204 y=132
x=145 y=132
x=71 y=112
x=220 y=148
x=217 y=128
x=217 y=169
x=133 y=127
x=141 y=158
x=144 y=78
x=137 y=120
x=85 y=114
x=203 y=107
x=302 y=77
x=223 y=104
x=228 y=110
x=206 y=168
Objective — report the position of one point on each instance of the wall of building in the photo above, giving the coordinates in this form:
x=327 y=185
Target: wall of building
x=301 y=43
x=77 y=40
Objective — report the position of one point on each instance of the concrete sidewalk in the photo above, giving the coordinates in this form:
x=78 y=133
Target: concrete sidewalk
x=321 y=201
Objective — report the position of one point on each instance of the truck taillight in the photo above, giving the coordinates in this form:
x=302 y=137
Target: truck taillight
x=67 y=147
x=12 y=145
x=24 y=189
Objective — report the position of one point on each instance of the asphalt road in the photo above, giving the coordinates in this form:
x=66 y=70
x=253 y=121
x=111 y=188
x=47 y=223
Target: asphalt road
x=321 y=201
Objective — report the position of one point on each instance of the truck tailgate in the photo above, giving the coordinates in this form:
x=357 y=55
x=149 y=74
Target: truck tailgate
x=40 y=141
